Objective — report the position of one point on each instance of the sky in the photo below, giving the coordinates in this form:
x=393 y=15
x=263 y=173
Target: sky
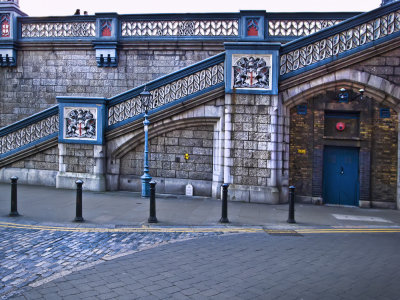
x=62 y=8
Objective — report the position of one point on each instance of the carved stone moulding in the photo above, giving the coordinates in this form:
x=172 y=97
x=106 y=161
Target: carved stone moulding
x=252 y=71
x=80 y=123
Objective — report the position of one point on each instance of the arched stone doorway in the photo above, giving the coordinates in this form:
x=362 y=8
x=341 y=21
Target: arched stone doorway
x=344 y=152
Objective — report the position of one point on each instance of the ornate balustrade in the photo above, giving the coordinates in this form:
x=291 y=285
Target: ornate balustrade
x=298 y=28
x=344 y=39
x=56 y=28
x=172 y=89
x=185 y=25
x=294 y=25
x=29 y=132
x=226 y=26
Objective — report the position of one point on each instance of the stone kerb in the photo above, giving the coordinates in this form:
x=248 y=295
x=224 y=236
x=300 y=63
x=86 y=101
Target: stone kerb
x=81 y=142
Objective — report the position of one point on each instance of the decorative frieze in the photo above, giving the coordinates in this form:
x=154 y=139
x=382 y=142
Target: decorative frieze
x=180 y=28
x=342 y=42
x=57 y=30
x=170 y=92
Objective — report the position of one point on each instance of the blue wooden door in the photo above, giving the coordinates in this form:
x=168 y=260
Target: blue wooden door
x=341 y=176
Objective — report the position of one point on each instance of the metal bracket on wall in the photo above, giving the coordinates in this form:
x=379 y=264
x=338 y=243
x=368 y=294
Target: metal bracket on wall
x=8 y=57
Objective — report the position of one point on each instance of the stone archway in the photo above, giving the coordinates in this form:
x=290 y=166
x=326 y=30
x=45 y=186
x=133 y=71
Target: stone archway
x=169 y=141
x=374 y=133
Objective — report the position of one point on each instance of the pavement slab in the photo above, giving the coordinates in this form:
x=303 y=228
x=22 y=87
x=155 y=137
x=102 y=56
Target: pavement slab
x=330 y=253
x=245 y=266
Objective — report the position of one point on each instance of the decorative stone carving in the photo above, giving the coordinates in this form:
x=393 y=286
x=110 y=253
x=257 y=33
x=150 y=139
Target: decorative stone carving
x=252 y=27
x=252 y=72
x=158 y=28
x=5 y=25
x=58 y=29
x=80 y=123
x=106 y=27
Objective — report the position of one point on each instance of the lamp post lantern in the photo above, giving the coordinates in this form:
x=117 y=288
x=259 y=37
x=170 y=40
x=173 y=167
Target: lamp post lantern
x=145 y=99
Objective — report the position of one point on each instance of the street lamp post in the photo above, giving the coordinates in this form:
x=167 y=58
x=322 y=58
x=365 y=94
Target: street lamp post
x=145 y=99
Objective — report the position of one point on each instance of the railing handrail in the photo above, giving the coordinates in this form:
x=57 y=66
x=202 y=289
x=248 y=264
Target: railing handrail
x=310 y=15
x=346 y=24
x=29 y=120
x=181 y=16
x=34 y=20
x=167 y=79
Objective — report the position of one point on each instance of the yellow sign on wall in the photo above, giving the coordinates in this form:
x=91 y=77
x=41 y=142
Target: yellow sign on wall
x=301 y=151
x=186 y=156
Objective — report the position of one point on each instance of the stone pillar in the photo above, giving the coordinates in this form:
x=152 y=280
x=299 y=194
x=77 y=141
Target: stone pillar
x=228 y=139
x=254 y=132
x=81 y=136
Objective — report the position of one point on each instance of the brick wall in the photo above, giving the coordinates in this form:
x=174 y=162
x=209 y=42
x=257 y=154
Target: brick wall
x=167 y=152
x=46 y=160
x=251 y=135
x=79 y=158
x=377 y=141
x=40 y=76
x=301 y=151
x=384 y=157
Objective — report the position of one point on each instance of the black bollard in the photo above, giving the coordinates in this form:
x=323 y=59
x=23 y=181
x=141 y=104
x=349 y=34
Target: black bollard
x=224 y=217
x=291 y=205
x=14 y=210
x=79 y=217
x=152 y=218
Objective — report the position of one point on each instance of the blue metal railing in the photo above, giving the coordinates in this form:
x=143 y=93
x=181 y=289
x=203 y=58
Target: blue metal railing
x=29 y=132
x=168 y=90
x=350 y=36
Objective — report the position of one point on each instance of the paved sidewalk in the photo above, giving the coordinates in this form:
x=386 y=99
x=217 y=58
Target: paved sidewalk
x=244 y=266
x=331 y=253
x=49 y=205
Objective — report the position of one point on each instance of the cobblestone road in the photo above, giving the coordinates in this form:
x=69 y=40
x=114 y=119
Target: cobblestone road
x=317 y=264
x=29 y=255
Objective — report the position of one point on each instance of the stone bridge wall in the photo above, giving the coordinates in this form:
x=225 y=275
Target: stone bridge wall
x=42 y=75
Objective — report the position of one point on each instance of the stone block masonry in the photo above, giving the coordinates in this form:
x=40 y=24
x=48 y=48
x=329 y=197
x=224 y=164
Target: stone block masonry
x=253 y=149
x=167 y=159
x=81 y=161
x=78 y=158
x=38 y=169
x=42 y=75
x=46 y=160
x=250 y=151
